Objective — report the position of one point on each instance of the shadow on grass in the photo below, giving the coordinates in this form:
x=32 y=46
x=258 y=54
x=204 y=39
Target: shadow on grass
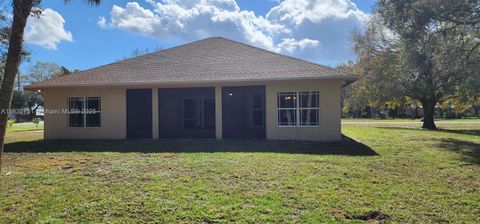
x=347 y=146
x=28 y=130
x=470 y=151
x=462 y=132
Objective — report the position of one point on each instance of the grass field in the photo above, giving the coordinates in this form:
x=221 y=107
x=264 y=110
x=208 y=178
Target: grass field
x=466 y=120
x=25 y=126
x=387 y=173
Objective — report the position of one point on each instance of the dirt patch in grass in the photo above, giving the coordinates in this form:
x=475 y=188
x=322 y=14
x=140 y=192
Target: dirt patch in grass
x=169 y=156
x=371 y=216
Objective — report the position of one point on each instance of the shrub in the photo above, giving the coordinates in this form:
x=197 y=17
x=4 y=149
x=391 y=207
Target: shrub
x=11 y=122
x=36 y=121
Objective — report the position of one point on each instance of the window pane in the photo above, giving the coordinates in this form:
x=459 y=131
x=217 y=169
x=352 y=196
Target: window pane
x=75 y=119
x=93 y=120
x=309 y=117
x=75 y=109
x=308 y=99
x=257 y=118
x=93 y=104
x=93 y=113
x=286 y=100
x=287 y=117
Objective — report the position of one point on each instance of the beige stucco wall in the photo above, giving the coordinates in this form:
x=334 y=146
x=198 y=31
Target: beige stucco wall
x=329 y=128
x=113 y=118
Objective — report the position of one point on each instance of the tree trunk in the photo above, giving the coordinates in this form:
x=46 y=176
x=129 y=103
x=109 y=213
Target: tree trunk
x=21 y=11
x=475 y=108
x=18 y=83
x=428 y=114
x=30 y=114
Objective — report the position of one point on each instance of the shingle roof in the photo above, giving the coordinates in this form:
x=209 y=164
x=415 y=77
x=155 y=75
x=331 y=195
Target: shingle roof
x=209 y=60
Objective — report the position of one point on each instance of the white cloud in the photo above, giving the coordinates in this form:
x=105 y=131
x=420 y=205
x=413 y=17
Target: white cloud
x=47 y=30
x=297 y=11
x=310 y=29
x=330 y=22
x=290 y=45
x=102 y=22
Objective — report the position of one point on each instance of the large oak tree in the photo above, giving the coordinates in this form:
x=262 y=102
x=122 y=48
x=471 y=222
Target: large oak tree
x=427 y=49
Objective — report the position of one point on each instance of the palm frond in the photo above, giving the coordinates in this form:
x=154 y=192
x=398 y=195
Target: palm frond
x=95 y=2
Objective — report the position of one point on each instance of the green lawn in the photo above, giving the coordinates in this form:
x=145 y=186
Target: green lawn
x=392 y=173
x=25 y=126
x=441 y=120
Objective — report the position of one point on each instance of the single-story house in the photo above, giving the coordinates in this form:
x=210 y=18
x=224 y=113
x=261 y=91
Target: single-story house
x=212 y=88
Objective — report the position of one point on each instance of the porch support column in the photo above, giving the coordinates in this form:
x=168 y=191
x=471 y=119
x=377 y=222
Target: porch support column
x=218 y=112
x=155 y=113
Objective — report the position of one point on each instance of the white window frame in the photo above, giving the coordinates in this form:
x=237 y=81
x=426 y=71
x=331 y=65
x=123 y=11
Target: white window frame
x=298 y=109
x=85 y=102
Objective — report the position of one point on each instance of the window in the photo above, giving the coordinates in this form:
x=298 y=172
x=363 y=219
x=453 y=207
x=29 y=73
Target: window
x=93 y=112
x=298 y=108
x=287 y=108
x=75 y=108
x=309 y=108
x=84 y=112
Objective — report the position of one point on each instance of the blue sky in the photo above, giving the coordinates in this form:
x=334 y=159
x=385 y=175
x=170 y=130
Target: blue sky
x=314 y=30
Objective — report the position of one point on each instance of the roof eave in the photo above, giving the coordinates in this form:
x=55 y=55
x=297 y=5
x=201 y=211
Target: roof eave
x=36 y=87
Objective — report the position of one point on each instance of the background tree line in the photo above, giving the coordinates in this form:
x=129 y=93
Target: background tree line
x=417 y=55
x=32 y=101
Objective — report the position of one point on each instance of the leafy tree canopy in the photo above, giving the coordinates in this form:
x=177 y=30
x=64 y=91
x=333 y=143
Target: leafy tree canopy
x=427 y=50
